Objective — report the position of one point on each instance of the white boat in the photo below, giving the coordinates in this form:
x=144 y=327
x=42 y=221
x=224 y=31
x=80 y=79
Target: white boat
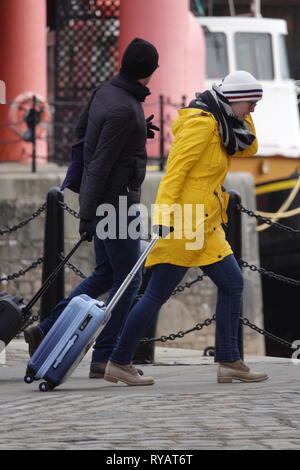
x=257 y=45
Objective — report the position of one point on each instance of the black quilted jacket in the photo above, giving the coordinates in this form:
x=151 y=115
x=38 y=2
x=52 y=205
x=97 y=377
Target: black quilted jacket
x=115 y=131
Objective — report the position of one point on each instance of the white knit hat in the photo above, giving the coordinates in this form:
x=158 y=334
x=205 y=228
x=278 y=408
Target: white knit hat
x=241 y=86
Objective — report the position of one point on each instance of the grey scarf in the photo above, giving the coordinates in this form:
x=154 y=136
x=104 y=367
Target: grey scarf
x=235 y=133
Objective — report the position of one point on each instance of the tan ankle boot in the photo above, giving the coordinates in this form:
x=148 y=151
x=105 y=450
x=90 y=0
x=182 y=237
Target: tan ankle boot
x=127 y=374
x=237 y=370
x=97 y=370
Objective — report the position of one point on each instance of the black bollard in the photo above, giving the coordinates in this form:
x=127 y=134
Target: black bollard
x=53 y=247
x=144 y=352
x=234 y=237
x=233 y=231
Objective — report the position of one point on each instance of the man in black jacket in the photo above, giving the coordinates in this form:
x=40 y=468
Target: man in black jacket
x=115 y=131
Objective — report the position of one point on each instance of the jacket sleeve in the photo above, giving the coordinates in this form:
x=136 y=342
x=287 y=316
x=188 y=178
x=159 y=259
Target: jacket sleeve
x=186 y=151
x=254 y=146
x=114 y=134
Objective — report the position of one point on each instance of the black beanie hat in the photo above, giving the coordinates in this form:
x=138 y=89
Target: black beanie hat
x=140 y=59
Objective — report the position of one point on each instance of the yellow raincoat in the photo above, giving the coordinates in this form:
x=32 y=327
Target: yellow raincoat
x=190 y=196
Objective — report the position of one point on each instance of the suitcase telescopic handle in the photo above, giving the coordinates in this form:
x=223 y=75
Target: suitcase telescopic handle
x=46 y=284
x=137 y=266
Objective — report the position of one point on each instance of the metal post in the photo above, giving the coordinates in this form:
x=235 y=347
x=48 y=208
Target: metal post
x=234 y=238
x=34 y=136
x=255 y=8
x=161 y=138
x=231 y=7
x=53 y=247
x=233 y=231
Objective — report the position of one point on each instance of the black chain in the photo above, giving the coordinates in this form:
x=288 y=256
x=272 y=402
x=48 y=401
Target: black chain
x=240 y=207
x=243 y=320
x=139 y=296
x=69 y=209
x=180 y=334
x=24 y=222
x=187 y=285
x=22 y=272
x=247 y=322
x=178 y=289
x=73 y=267
x=208 y=322
x=267 y=221
x=32 y=318
x=265 y=272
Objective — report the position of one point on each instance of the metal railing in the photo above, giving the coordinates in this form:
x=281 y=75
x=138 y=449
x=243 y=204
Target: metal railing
x=32 y=119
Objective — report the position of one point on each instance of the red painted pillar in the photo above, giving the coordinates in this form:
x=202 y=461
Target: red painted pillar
x=170 y=26
x=23 y=64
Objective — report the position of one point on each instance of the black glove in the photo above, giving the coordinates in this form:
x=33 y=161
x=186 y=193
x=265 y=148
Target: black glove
x=151 y=127
x=88 y=228
x=162 y=230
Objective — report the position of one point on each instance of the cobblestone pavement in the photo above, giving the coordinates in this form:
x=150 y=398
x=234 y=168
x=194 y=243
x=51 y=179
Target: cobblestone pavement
x=185 y=409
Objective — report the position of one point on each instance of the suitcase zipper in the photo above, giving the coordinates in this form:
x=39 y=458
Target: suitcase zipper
x=59 y=359
x=55 y=352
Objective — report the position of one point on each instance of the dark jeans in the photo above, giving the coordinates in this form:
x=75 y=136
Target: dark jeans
x=227 y=276
x=114 y=260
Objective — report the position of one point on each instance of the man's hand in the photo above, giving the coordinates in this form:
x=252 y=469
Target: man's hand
x=88 y=228
x=151 y=127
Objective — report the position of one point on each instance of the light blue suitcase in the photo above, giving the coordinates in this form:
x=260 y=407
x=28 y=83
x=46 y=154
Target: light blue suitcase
x=73 y=334
x=67 y=342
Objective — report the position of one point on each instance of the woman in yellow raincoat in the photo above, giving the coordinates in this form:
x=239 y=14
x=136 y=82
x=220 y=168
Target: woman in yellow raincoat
x=191 y=200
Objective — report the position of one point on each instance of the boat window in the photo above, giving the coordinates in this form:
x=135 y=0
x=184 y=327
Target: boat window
x=216 y=55
x=283 y=58
x=254 y=53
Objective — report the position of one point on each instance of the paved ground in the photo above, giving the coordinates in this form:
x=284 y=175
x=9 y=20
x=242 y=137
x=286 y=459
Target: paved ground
x=185 y=409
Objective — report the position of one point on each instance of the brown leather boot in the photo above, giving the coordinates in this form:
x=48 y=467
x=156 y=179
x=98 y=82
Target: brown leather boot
x=33 y=336
x=237 y=370
x=127 y=374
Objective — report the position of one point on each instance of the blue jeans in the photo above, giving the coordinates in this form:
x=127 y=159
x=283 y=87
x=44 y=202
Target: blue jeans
x=227 y=276
x=114 y=259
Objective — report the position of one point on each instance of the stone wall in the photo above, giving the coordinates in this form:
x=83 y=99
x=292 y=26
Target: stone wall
x=21 y=194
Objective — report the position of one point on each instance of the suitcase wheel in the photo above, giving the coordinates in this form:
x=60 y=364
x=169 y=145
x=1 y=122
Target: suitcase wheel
x=28 y=379
x=45 y=387
x=29 y=375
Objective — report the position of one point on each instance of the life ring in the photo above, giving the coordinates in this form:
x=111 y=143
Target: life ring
x=24 y=112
